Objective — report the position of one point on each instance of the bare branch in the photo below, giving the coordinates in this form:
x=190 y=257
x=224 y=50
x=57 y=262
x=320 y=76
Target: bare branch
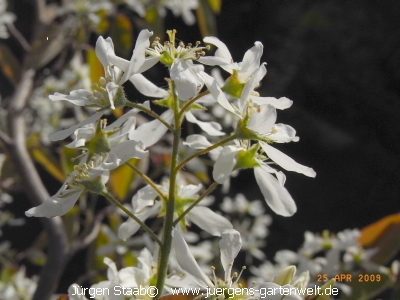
x=5 y=138
x=19 y=37
x=35 y=189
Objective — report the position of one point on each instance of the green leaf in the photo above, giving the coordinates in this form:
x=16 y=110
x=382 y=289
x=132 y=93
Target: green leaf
x=121 y=33
x=206 y=19
x=9 y=65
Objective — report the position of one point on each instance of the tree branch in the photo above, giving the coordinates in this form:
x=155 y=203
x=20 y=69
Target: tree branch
x=34 y=188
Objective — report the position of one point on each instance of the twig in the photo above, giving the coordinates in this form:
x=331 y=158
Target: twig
x=19 y=37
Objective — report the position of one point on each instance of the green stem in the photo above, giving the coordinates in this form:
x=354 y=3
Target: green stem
x=205 y=194
x=146 y=228
x=190 y=102
x=204 y=151
x=148 y=180
x=150 y=113
x=163 y=257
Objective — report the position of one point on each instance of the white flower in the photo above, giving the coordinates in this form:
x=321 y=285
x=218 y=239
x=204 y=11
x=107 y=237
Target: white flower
x=5 y=18
x=155 y=127
x=18 y=286
x=109 y=93
x=90 y=176
x=86 y=176
x=130 y=278
x=86 y=9
x=276 y=196
x=246 y=75
x=230 y=245
x=144 y=206
x=186 y=75
x=183 y=8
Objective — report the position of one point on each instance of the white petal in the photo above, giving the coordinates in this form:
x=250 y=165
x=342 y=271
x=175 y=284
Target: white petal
x=276 y=195
x=222 y=50
x=186 y=82
x=111 y=163
x=187 y=262
x=60 y=135
x=104 y=47
x=151 y=132
x=279 y=174
x=148 y=63
x=112 y=89
x=112 y=270
x=213 y=61
x=146 y=87
x=55 y=206
x=217 y=93
x=212 y=128
x=189 y=191
x=81 y=136
x=129 y=149
x=123 y=64
x=216 y=73
x=197 y=141
x=263 y=119
x=77 y=97
x=230 y=245
x=143 y=198
x=225 y=162
x=286 y=162
x=283 y=134
x=251 y=61
x=130 y=227
x=250 y=85
x=138 y=56
x=127 y=116
x=208 y=220
x=281 y=103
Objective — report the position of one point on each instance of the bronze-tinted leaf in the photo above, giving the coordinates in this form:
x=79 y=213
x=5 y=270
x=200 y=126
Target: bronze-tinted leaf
x=9 y=65
x=206 y=19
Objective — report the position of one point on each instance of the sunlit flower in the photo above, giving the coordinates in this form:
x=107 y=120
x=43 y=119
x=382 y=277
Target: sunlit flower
x=108 y=93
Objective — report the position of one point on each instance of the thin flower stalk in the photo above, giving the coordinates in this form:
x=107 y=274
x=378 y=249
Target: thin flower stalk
x=204 y=151
x=111 y=198
x=148 y=180
x=170 y=207
x=150 y=113
x=210 y=189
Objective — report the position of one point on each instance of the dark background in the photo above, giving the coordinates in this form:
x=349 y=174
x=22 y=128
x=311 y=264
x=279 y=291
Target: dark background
x=339 y=61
